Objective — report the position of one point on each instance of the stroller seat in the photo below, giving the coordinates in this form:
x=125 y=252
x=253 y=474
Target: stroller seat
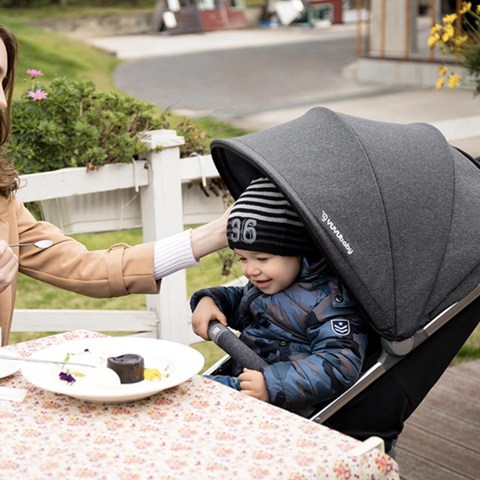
x=394 y=209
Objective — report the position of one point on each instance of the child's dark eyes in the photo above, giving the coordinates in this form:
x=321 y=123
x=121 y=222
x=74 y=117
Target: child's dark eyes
x=258 y=259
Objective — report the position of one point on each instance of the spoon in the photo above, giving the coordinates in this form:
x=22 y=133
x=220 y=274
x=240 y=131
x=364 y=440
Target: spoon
x=39 y=244
x=39 y=360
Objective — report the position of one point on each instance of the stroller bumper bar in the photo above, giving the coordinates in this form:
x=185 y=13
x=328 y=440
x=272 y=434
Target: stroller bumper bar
x=230 y=343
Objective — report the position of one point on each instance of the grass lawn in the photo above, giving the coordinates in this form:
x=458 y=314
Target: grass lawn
x=59 y=55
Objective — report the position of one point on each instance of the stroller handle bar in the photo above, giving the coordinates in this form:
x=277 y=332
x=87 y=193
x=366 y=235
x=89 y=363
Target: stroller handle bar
x=230 y=343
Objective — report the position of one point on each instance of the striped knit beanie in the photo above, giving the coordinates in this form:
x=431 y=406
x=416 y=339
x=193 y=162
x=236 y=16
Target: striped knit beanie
x=263 y=220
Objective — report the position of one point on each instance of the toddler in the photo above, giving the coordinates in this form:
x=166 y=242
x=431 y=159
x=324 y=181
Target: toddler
x=294 y=312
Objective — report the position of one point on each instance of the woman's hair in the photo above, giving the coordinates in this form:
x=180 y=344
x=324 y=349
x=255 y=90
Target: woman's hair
x=8 y=176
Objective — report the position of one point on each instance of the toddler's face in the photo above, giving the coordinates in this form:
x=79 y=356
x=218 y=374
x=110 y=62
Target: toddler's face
x=269 y=273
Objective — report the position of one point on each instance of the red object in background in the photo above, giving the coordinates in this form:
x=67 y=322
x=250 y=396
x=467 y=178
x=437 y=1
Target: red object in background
x=337 y=7
x=223 y=16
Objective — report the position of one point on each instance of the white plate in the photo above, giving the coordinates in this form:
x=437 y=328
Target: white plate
x=177 y=363
x=9 y=367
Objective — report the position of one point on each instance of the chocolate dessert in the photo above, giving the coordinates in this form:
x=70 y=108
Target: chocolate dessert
x=129 y=367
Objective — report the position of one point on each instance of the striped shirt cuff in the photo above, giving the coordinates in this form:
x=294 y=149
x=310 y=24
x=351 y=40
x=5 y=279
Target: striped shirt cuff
x=172 y=254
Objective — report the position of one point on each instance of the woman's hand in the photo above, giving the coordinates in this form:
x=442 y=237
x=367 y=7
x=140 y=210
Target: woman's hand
x=210 y=237
x=252 y=383
x=206 y=311
x=8 y=265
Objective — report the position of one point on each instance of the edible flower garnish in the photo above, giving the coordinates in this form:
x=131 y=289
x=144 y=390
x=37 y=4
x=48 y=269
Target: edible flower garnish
x=66 y=377
x=152 y=374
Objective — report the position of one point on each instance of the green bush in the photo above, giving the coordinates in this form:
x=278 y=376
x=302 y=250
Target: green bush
x=472 y=64
x=71 y=124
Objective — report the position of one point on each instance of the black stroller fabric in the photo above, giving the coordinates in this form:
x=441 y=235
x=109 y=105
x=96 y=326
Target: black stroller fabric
x=395 y=208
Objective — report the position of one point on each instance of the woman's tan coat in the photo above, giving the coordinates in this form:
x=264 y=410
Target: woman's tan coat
x=67 y=264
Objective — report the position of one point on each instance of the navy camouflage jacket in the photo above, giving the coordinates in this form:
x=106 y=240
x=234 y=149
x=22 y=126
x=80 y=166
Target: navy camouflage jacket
x=311 y=335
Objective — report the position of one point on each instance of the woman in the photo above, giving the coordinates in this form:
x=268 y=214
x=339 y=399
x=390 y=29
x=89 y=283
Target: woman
x=67 y=264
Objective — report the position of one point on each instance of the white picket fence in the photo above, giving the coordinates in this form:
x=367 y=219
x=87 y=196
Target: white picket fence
x=165 y=208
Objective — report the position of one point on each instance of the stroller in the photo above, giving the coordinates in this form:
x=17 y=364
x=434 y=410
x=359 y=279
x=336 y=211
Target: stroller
x=394 y=208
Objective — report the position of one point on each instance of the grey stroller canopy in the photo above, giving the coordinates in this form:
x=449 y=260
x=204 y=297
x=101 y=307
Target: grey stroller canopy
x=394 y=208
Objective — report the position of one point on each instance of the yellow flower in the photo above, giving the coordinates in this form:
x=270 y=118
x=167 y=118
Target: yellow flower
x=453 y=80
x=448 y=33
x=433 y=39
x=442 y=70
x=460 y=40
x=466 y=7
x=448 y=19
x=152 y=374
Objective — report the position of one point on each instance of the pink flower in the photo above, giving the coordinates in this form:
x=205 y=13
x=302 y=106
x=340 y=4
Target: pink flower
x=34 y=73
x=38 y=95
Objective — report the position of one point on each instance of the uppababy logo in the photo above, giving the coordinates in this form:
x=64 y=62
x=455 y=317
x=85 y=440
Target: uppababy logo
x=326 y=219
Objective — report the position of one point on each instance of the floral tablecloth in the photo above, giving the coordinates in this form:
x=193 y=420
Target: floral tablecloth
x=198 y=430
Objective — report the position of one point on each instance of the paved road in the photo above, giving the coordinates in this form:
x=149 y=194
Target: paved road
x=258 y=78
x=241 y=81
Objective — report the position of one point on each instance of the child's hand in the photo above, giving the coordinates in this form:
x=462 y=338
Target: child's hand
x=206 y=311
x=253 y=384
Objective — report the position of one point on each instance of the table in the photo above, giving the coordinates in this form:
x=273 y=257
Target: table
x=197 y=430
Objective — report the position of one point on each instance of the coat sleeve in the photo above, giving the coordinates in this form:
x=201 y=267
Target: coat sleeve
x=227 y=300
x=338 y=340
x=119 y=270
